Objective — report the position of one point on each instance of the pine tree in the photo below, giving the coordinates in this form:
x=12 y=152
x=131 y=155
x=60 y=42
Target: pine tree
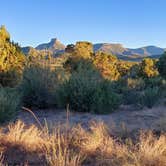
x=11 y=58
x=162 y=65
x=107 y=65
x=148 y=68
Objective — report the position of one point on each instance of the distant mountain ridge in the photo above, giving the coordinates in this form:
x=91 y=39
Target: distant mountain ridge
x=53 y=47
x=118 y=49
x=56 y=47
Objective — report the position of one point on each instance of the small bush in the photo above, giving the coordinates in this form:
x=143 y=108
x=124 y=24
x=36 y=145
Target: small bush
x=151 y=96
x=105 y=100
x=85 y=92
x=10 y=78
x=124 y=85
x=154 y=82
x=78 y=90
x=37 y=86
x=161 y=65
x=130 y=90
x=9 y=104
x=131 y=97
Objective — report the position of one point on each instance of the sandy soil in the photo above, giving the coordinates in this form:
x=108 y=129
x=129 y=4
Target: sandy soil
x=121 y=122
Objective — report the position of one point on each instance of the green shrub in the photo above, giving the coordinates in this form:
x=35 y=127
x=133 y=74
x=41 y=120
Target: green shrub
x=9 y=104
x=154 y=82
x=157 y=82
x=10 y=78
x=124 y=85
x=38 y=86
x=151 y=96
x=86 y=92
x=131 y=97
x=161 y=64
x=78 y=90
x=119 y=86
x=105 y=100
x=130 y=90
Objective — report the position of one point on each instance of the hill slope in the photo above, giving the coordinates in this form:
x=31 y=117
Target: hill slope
x=118 y=49
x=56 y=48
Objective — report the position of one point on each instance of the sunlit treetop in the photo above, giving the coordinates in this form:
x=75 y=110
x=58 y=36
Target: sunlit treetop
x=11 y=56
x=4 y=35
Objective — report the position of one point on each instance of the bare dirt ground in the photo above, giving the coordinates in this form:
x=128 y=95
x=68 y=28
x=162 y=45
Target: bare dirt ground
x=124 y=121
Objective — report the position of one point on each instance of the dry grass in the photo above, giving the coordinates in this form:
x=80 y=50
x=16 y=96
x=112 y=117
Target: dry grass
x=58 y=152
x=30 y=138
x=77 y=146
x=1 y=160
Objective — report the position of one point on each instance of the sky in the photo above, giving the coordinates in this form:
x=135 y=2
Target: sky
x=133 y=23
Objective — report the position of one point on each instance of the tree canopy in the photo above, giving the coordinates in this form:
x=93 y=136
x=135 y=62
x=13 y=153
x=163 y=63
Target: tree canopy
x=148 y=68
x=162 y=65
x=11 y=57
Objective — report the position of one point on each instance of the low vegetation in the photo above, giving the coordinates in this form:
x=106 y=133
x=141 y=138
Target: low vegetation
x=37 y=86
x=86 y=91
x=9 y=104
x=76 y=146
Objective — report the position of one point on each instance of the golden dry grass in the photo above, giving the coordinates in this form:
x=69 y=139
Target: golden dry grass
x=1 y=160
x=77 y=146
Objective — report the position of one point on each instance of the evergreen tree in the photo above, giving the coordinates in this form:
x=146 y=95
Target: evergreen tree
x=107 y=65
x=11 y=58
x=84 y=50
x=162 y=65
x=148 y=68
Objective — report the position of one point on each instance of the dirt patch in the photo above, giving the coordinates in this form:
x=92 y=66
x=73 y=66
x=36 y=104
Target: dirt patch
x=123 y=121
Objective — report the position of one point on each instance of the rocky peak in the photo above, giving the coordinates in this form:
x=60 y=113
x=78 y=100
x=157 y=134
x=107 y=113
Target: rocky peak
x=54 y=44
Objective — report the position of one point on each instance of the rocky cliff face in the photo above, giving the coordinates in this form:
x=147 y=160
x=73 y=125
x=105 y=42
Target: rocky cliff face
x=53 y=45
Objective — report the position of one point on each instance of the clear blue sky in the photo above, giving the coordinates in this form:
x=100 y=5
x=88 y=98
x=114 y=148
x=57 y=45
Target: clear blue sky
x=133 y=23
